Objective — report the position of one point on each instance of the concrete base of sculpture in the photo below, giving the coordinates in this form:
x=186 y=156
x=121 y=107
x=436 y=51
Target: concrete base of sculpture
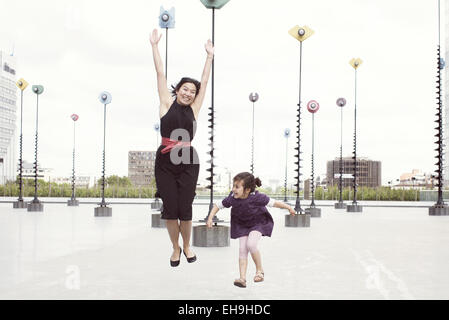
x=439 y=210
x=157 y=221
x=340 y=205
x=354 y=208
x=103 y=211
x=19 y=204
x=73 y=203
x=298 y=220
x=35 y=206
x=156 y=205
x=217 y=236
x=314 y=212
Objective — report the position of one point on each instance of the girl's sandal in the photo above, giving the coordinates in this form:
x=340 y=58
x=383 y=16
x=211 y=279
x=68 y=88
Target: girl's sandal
x=259 y=276
x=240 y=283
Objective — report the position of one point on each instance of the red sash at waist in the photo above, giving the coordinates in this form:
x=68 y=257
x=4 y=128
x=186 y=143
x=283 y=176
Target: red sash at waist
x=170 y=144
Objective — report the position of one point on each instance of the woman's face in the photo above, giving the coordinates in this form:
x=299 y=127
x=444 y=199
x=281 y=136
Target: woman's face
x=239 y=191
x=186 y=94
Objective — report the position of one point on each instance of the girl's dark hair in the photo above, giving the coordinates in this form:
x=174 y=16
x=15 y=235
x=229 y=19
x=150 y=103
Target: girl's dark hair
x=196 y=83
x=249 y=182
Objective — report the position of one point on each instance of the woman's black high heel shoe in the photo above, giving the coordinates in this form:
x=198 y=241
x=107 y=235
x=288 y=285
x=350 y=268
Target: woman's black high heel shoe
x=190 y=260
x=176 y=262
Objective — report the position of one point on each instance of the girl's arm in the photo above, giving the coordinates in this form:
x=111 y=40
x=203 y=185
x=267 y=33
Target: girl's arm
x=164 y=94
x=196 y=105
x=282 y=205
x=211 y=216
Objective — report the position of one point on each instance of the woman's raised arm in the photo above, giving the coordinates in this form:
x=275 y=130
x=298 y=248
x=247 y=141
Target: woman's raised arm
x=164 y=94
x=196 y=105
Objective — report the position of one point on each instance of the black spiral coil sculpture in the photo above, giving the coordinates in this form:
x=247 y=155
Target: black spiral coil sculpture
x=252 y=156
x=439 y=129
x=73 y=176
x=354 y=158
x=298 y=162
x=35 y=165
x=20 y=168
x=340 y=180
x=286 y=135
x=211 y=153
x=312 y=204
x=103 y=203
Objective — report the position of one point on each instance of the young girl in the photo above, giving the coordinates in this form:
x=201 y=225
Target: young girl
x=250 y=220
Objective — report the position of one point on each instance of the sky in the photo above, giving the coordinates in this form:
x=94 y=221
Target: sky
x=77 y=49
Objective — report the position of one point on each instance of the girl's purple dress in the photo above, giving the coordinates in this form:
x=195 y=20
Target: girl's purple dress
x=249 y=214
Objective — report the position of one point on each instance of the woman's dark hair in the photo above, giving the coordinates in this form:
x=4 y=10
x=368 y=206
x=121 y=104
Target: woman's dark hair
x=196 y=83
x=249 y=182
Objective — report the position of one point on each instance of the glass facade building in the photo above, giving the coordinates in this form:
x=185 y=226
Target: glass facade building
x=8 y=118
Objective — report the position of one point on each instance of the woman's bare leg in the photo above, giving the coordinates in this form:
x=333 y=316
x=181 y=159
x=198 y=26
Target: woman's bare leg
x=173 y=231
x=186 y=232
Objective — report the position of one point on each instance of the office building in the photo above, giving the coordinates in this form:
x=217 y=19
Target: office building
x=369 y=172
x=8 y=118
x=141 y=167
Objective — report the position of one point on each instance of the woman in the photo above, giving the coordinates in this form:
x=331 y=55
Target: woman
x=176 y=176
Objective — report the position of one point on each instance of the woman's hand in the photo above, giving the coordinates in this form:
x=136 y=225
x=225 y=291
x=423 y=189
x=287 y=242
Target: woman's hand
x=209 y=223
x=209 y=48
x=292 y=211
x=154 y=37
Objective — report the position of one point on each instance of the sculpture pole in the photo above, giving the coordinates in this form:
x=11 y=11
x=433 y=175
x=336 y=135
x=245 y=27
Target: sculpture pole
x=253 y=97
x=73 y=201
x=300 y=34
x=36 y=205
x=20 y=203
x=103 y=210
x=355 y=207
x=341 y=102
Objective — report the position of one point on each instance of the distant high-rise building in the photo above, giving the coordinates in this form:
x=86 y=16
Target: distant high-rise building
x=141 y=167
x=369 y=172
x=8 y=134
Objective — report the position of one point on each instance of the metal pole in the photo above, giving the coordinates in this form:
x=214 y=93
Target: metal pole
x=35 y=200
x=103 y=203
x=252 y=146
x=341 y=156
x=285 y=185
x=298 y=180
x=312 y=205
x=211 y=120
x=73 y=164
x=21 y=142
x=440 y=201
x=355 y=139
x=166 y=53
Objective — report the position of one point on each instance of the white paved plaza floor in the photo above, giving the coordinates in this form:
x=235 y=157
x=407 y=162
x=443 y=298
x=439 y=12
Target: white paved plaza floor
x=67 y=253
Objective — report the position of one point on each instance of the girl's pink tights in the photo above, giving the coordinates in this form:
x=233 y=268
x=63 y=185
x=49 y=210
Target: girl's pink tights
x=249 y=244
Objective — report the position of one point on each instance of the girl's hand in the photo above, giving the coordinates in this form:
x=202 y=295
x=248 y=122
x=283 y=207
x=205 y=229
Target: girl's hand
x=209 y=48
x=209 y=223
x=154 y=37
x=292 y=211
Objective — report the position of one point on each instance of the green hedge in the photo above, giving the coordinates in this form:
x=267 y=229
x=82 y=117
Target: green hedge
x=125 y=190
x=365 y=193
